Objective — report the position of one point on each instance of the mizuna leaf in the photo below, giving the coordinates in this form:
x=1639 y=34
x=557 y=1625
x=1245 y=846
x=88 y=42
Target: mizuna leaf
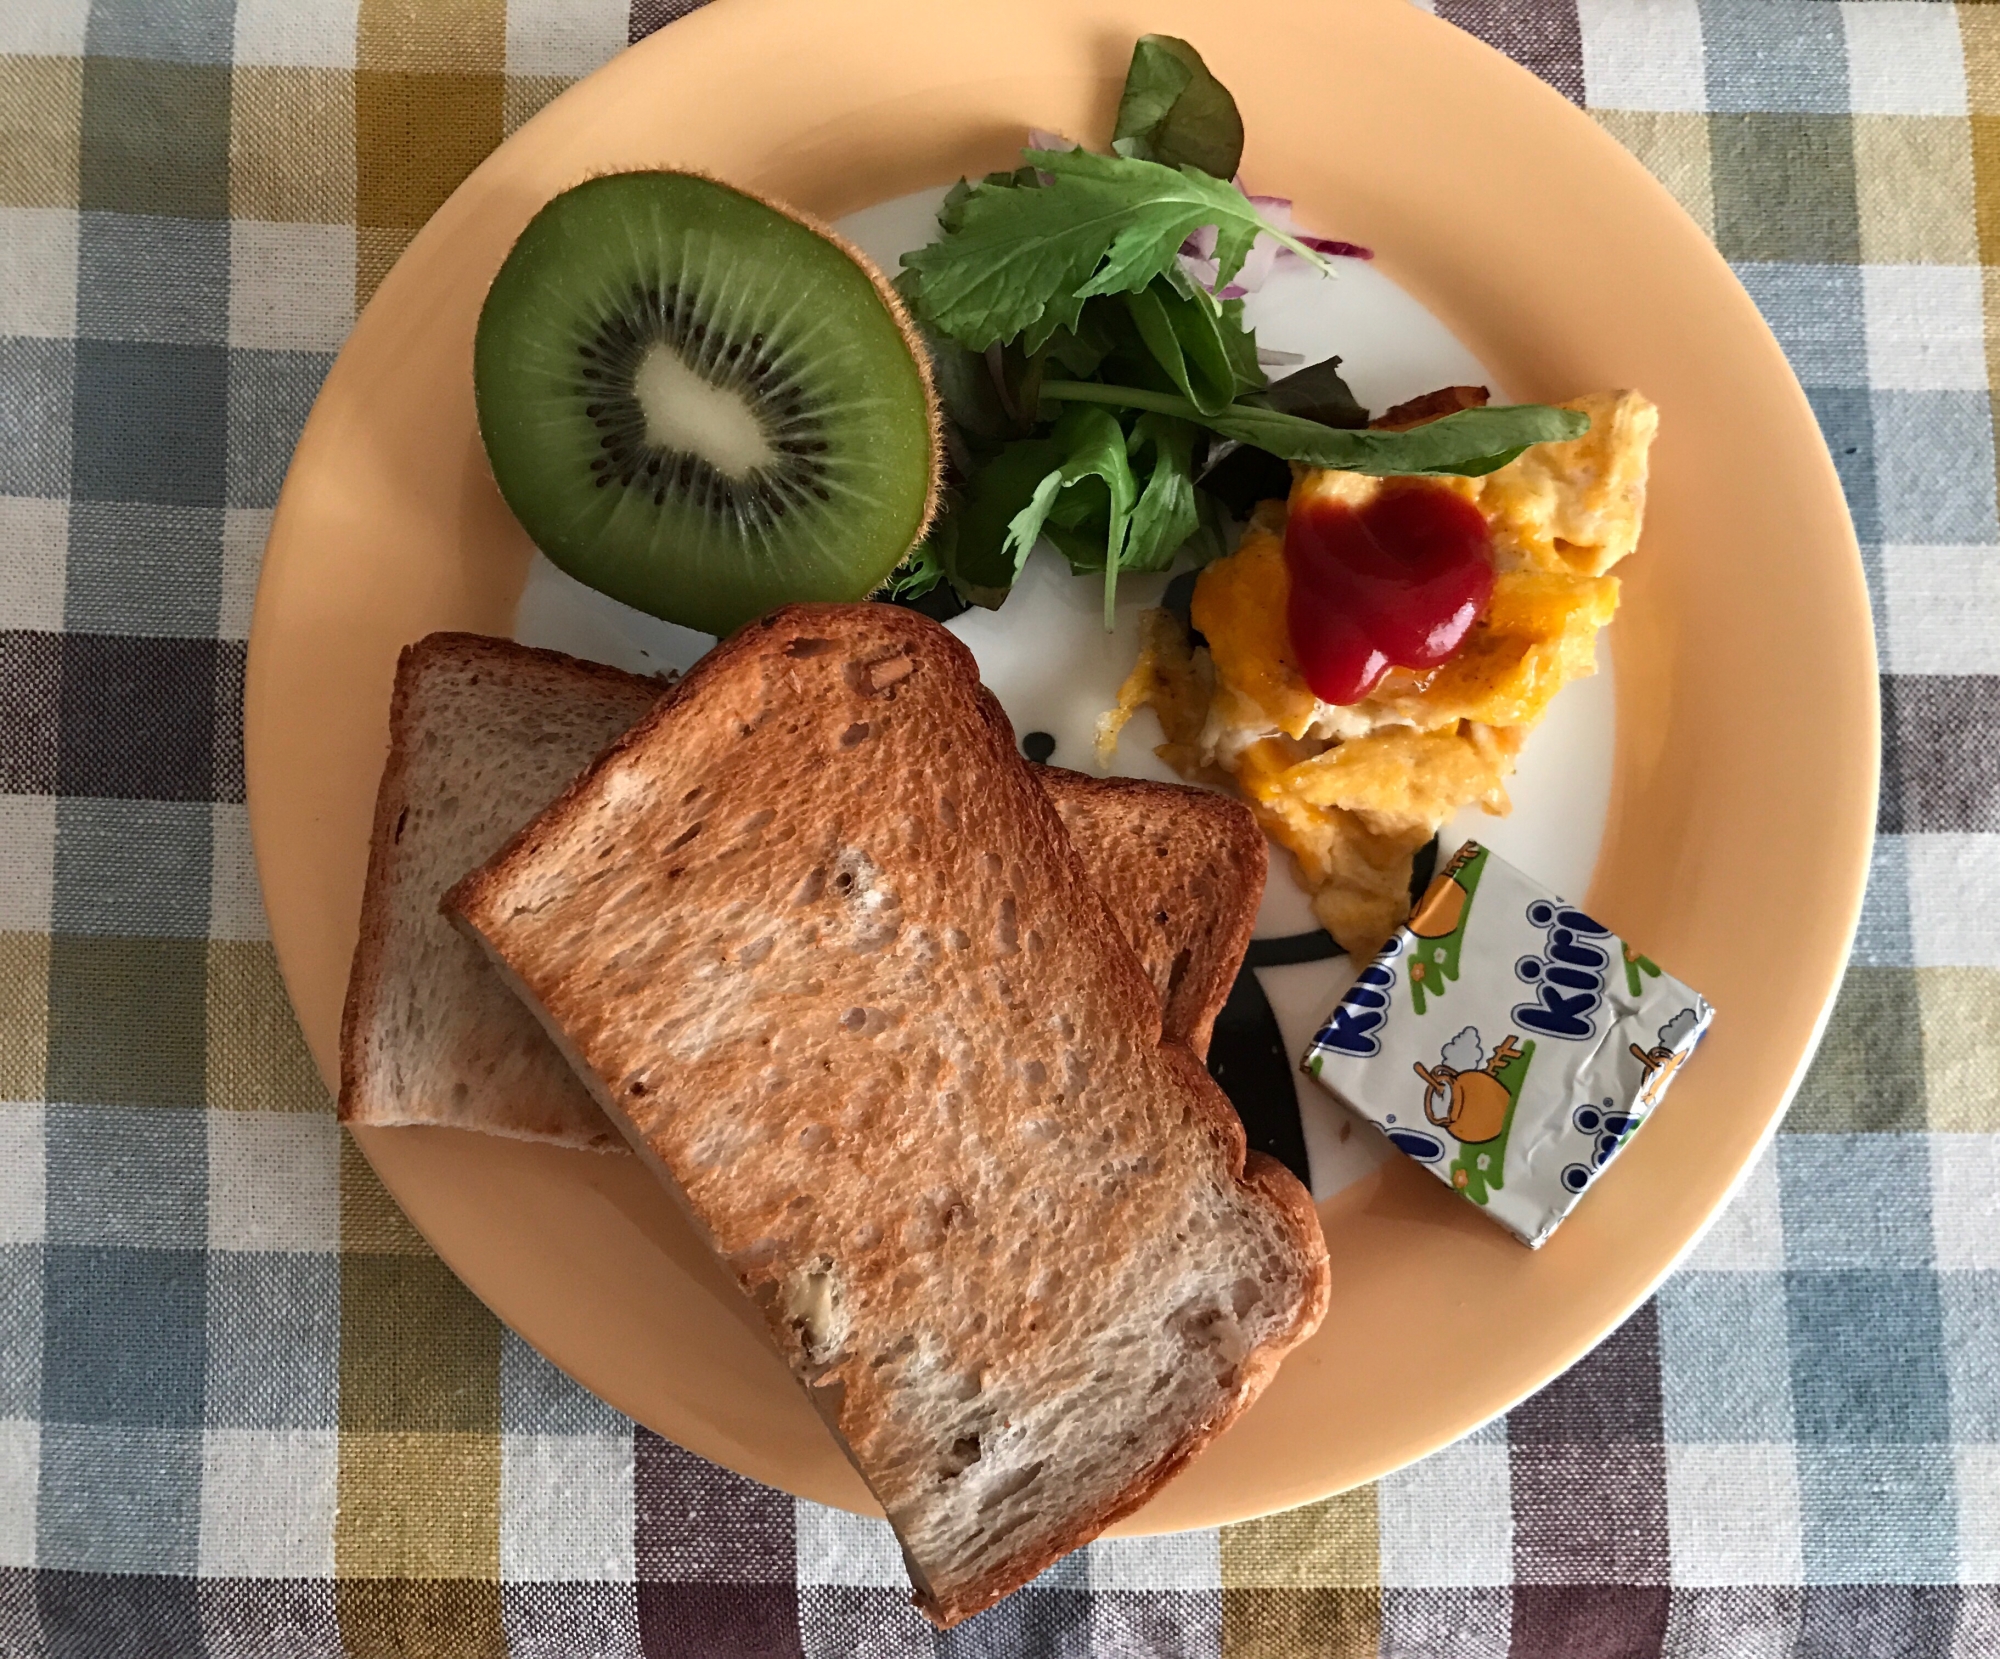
x=1468 y=444
x=1188 y=339
x=975 y=540
x=1097 y=478
x=1166 y=513
x=1101 y=225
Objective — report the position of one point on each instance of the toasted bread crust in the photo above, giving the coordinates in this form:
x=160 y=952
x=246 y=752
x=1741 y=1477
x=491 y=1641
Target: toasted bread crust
x=1172 y=855
x=567 y=905
x=1277 y=1183
x=364 y=1095
x=1196 y=923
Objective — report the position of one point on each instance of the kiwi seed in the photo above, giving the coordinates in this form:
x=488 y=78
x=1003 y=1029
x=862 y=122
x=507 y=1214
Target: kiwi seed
x=701 y=404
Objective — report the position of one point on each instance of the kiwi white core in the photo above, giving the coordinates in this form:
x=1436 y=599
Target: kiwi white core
x=691 y=415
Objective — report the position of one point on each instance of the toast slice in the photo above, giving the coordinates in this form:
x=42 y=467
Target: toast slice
x=484 y=733
x=816 y=937
x=1182 y=871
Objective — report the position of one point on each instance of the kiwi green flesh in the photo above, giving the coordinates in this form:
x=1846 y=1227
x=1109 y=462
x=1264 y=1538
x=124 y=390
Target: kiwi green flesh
x=699 y=405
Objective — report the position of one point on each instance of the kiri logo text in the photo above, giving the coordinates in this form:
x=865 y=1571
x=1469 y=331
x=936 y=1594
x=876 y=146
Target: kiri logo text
x=1568 y=977
x=1352 y=1027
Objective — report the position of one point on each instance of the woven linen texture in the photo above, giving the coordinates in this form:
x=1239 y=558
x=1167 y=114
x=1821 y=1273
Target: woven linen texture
x=244 y=1412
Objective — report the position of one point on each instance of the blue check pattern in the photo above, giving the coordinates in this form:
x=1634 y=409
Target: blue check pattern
x=244 y=1412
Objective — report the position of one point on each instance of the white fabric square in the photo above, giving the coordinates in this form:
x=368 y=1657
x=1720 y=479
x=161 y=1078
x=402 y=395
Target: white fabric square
x=267 y=1502
x=1450 y=1624
x=34 y=530
x=287 y=34
x=1643 y=54
x=245 y=530
x=566 y=1508
x=236 y=903
x=273 y=1181
x=1954 y=896
x=44 y=28
x=1978 y=1514
x=834 y=1547
x=1943 y=606
x=38 y=271
x=564 y=37
x=23 y=1175
x=1965 y=1200
x=1733 y=1514
x=27 y=862
x=1903 y=58
x=1447 y=1520
x=291 y=287
x=1749 y=1235
x=1171 y=1561
x=20 y=1486
x=1926 y=328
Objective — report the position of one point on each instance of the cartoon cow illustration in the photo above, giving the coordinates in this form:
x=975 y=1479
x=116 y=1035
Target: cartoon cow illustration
x=1664 y=1059
x=1467 y=1085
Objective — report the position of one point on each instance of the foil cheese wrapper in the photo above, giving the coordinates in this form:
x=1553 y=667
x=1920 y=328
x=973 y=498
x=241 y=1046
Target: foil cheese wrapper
x=1507 y=1042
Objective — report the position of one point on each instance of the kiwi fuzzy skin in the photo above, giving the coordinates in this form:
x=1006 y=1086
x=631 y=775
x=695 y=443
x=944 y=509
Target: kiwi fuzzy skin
x=892 y=302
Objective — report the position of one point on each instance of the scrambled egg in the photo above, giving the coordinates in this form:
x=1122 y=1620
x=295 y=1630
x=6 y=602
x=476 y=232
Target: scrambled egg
x=1353 y=791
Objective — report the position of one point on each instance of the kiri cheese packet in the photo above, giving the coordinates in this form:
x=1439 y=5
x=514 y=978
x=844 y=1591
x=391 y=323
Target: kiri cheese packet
x=1507 y=1042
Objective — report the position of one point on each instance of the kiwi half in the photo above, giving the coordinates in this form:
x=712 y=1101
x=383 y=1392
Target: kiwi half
x=699 y=403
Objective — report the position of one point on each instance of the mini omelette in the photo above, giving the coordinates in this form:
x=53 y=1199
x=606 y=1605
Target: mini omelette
x=1353 y=790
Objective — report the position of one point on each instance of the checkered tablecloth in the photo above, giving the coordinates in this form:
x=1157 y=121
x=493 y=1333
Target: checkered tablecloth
x=244 y=1412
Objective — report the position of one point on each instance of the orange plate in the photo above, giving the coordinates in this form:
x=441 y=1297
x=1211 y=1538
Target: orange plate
x=1746 y=764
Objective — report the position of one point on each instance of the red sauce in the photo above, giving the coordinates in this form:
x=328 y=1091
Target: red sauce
x=1397 y=583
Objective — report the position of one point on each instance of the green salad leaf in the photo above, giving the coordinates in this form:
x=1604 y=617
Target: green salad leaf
x=1467 y=444
x=1175 y=112
x=1084 y=504
x=1168 y=510
x=1080 y=350
x=1014 y=255
x=1317 y=393
x=917 y=574
x=1191 y=340
x=1095 y=394
x=967 y=393
x=975 y=537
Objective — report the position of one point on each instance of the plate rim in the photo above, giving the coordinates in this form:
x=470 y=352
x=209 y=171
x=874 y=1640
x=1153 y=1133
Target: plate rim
x=734 y=19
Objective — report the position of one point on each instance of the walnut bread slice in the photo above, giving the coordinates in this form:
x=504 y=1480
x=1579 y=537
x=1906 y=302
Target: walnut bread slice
x=483 y=734
x=1182 y=871
x=815 y=935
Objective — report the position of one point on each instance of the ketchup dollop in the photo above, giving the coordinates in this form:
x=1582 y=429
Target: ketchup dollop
x=1395 y=583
